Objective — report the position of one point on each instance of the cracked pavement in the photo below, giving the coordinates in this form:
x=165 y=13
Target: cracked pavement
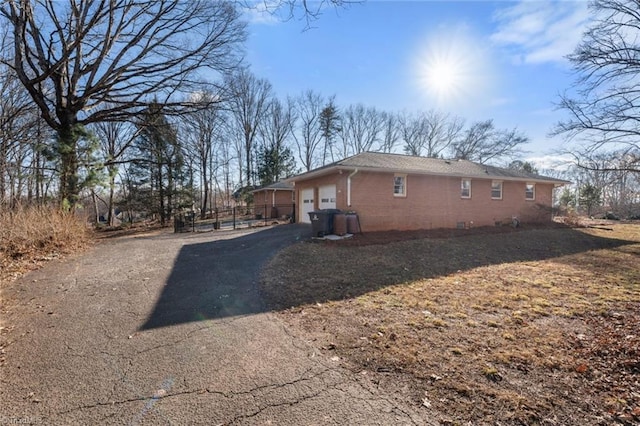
x=170 y=329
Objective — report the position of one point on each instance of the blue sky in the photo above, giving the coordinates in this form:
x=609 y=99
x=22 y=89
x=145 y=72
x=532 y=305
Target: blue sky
x=480 y=60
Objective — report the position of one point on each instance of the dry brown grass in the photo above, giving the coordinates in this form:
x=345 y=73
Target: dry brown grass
x=30 y=235
x=496 y=328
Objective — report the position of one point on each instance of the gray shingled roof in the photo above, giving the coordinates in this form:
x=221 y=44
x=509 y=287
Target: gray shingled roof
x=278 y=186
x=423 y=165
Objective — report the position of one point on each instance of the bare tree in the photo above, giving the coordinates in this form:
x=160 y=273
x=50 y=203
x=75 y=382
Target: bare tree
x=605 y=110
x=224 y=159
x=308 y=136
x=17 y=121
x=307 y=10
x=441 y=131
x=275 y=158
x=615 y=175
x=411 y=133
x=75 y=56
x=429 y=133
x=361 y=128
x=201 y=136
x=481 y=142
x=390 y=132
x=116 y=137
x=248 y=98
x=276 y=128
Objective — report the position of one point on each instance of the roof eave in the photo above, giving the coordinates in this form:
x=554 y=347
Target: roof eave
x=328 y=170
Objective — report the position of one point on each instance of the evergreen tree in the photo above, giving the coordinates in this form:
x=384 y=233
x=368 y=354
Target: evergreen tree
x=567 y=199
x=275 y=164
x=330 y=127
x=590 y=196
x=88 y=168
x=523 y=166
x=158 y=170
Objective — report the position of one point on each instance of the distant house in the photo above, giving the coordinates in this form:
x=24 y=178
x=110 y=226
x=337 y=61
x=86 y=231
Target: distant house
x=274 y=201
x=401 y=192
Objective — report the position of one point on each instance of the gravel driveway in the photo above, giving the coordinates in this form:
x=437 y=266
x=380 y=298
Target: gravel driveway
x=171 y=329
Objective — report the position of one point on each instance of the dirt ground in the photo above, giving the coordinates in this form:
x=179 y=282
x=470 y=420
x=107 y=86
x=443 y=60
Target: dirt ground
x=495 y=326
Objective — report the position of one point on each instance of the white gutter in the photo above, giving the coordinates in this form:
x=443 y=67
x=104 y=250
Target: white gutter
x=349 y=187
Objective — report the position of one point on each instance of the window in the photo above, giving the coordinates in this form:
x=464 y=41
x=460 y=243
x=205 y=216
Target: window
x=400 y=186
x=496 y=190
x=465 y=188
x=530 y=191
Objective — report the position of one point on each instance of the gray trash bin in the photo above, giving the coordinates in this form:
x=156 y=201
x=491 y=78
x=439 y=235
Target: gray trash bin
x=322 y=222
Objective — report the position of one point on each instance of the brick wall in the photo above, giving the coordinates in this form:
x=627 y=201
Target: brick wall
x=263 y=202
x=433 y=201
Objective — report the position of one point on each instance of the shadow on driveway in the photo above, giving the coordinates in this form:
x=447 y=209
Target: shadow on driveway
x=219 y=279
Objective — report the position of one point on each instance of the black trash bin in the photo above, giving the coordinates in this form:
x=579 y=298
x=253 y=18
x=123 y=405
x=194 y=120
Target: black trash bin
x=322 y=222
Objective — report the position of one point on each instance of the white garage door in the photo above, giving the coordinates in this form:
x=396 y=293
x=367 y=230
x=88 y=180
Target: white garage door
x=327 y=196
x=306 y=205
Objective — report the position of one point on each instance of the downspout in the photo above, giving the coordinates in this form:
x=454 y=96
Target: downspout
x=349 y=187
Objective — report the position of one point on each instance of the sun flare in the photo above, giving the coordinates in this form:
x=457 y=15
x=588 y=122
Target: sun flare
x=443 y=78
x=451 y=70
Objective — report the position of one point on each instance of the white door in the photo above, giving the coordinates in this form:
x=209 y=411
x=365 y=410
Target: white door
x=327 y=195
x=306 y=205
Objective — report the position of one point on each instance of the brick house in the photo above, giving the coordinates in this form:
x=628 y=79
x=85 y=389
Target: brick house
x=275 y=200
x=401 y=192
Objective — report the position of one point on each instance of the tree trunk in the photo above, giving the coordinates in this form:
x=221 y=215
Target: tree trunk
x=170 y=190
x=96 y=210
x=248 y=168
x=67 y=151
x=161 y=194
x=112 y=186
x=3 y=171
x=205 y=189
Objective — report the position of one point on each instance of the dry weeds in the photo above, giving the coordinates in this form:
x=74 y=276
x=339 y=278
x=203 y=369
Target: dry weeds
x=31 y=235
x=531 y=327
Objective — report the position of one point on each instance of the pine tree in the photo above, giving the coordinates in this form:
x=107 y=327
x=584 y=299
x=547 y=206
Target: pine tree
x=590 y=196
x=157 y=171
x=274 y=164
x=330 y=127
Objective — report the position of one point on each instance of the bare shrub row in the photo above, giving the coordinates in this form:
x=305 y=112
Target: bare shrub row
x=33 y=232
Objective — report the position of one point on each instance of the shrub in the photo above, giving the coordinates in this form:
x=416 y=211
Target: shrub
x=572 y=218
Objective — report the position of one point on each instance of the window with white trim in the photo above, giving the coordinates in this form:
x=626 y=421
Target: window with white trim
x=496 y=190
x=400 y=185
x=465 y=188
x=530 y=191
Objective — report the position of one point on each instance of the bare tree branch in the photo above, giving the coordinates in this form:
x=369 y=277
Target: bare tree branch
x=87 y=61
x=605 y=112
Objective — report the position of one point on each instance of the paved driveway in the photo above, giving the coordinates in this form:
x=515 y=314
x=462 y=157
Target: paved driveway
x=171 y=329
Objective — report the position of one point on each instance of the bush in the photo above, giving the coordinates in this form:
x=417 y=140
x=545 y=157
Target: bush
x=572 y=218
x=38 y=231
x=610 y=216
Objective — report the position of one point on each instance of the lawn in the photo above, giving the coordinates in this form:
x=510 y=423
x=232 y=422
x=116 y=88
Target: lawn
x=493 y=326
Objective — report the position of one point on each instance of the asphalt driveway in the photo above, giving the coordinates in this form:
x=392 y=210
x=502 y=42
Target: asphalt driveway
x=171 y=329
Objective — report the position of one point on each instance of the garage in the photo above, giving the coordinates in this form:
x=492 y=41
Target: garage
x=306 y=204
x=327 y=195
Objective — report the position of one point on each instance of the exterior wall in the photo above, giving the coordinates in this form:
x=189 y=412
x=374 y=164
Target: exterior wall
x=263 y=202
x=433 y=201
x=340 y=180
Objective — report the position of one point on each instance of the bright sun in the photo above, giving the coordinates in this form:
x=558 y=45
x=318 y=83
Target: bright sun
x=451 y=70
x=443 y=78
